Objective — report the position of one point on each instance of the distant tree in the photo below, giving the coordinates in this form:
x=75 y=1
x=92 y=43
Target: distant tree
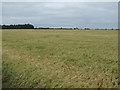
x=75 y=28
x=19 y=26
x=0 y=26
x=87 y=28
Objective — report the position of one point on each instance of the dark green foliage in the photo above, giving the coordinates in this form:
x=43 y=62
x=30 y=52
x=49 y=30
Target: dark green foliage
x=19 y=26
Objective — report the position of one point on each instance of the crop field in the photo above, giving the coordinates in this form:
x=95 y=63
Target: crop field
x=60 y=58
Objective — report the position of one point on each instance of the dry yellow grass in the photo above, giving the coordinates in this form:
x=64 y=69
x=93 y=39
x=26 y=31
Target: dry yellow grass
x=60 y=58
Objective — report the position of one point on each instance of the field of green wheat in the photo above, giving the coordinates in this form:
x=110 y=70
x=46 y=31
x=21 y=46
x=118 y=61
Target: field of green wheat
x=60 y=58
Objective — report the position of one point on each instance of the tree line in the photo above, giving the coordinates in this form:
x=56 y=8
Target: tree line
x=19 y=26
x=30 y=26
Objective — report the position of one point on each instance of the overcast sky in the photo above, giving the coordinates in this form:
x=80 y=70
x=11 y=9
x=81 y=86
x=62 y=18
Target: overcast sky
x=62 y=14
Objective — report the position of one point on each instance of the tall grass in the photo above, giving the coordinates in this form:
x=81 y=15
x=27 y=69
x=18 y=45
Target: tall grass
x=60 y=59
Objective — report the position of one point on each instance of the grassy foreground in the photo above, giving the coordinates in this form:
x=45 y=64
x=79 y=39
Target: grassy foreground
x=60 y=58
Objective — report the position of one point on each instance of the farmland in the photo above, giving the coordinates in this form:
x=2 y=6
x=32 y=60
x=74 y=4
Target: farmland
x=60 y=58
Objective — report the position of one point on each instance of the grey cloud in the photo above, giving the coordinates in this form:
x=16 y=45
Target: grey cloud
x=77 y=14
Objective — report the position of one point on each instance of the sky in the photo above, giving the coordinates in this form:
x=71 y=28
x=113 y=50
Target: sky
x=62 y=14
